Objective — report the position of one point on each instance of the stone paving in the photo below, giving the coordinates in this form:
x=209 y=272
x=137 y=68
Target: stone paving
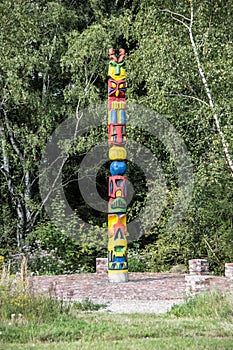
x=141 y=286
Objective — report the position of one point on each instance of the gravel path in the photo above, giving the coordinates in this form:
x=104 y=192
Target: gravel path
x=131 y=306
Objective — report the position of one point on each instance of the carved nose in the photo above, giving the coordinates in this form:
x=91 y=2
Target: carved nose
x=117 y=93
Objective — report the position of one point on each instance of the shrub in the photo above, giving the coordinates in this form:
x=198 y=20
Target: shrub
x=137 y=261
x=51 y=252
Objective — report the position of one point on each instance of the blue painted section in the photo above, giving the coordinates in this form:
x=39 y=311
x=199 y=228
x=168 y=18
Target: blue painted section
x=123 y=116
x=111 y=187
x=119 y=232
x=119 y=259
x=118 y=168
x=113 y=116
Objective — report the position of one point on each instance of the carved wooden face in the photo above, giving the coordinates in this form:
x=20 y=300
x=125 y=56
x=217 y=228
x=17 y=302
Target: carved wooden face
x=116 y=70
x=116 y=88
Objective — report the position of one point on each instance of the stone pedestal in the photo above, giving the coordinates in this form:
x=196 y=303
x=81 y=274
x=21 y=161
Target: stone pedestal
x=229 y=270
x=198 y=267
x=118 y=277
x=197 y=283
x=101 y=265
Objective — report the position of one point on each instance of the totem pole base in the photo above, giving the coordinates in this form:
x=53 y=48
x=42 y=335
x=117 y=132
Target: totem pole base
x=118 y=277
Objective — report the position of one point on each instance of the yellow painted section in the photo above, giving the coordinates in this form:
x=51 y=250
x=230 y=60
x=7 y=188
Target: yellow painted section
x=118 y=193
x=118 y=105
x=109 y=117
x=112 y=220
x=111 y=73
x=123 y=219
x=117 y=153
x=112 y=243
x=118 y=271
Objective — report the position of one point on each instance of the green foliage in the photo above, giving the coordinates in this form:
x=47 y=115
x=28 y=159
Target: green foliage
x=51 y=251
x=19 y=304
x=87 y=305
x=40 y=261
x=8 y=240
x=207 y=305
x=137 y=260
x=22 y=312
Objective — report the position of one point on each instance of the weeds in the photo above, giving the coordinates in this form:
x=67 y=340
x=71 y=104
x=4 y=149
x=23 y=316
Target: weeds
x=88 y=305
x=17 y=299
x=26 y=316
x=20 y=305
x=210 y=304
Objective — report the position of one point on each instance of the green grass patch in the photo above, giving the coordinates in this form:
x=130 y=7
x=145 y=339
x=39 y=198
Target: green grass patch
x=173 y=343
x=212 y=304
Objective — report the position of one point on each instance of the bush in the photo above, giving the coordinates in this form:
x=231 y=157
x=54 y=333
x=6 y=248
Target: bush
x=51 y=252
x=137 y=261
x=39 y=261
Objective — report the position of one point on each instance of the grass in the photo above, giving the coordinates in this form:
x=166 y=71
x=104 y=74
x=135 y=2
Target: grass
x=37 y=322
x=214 y=305
x=102 y=331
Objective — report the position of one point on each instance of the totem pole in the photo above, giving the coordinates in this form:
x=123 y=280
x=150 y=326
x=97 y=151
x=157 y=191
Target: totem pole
x=117 y=242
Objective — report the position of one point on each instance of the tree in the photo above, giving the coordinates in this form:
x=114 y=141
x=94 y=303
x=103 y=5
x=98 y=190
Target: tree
x=32 y=36
x=188 y=24
x=168 y=76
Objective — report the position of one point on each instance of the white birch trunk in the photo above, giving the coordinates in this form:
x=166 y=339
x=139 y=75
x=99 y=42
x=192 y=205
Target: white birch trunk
x=184 y=20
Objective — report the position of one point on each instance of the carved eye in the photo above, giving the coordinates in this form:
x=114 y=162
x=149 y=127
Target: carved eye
x=113 y=85
x=121 y=86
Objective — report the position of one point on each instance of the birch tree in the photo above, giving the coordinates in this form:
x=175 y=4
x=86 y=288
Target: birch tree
x=32 y=36
x=182 y=68
x=50 y=70
x=188 y=23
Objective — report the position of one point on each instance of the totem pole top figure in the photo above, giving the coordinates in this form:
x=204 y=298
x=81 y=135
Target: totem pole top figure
x=116 y=69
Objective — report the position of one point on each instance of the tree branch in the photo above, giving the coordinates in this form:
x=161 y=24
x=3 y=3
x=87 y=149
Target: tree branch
x=173 y=14
x=190 y=97
x=176 y=14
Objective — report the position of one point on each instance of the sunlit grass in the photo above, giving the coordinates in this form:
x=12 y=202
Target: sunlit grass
x=212 y=304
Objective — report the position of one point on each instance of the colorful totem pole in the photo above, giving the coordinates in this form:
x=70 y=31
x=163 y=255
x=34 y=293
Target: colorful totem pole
x=117 y=242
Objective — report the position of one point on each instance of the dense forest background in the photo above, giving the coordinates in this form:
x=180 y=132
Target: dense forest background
x=53 y=61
